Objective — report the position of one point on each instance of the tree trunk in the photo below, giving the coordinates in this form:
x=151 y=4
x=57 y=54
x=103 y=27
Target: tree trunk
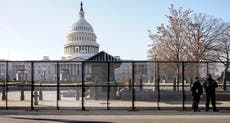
x=225 y=76
x=197 y=69
x=178 y=76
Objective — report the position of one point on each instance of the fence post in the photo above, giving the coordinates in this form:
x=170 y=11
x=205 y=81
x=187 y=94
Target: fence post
x=133 y=87
x=108 y=86
x=183 y=92
x=58 y=86
x=3 y=88
x=158 y=86
x=82 y=87
x=7 y=65
x=32 y=86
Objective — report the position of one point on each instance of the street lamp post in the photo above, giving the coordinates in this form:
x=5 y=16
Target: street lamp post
x=3 y=87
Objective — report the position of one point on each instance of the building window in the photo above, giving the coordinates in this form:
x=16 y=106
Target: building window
x=76 y=49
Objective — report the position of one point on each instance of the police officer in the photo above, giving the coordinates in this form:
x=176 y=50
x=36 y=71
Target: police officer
x=197 y=91
x=210 y=85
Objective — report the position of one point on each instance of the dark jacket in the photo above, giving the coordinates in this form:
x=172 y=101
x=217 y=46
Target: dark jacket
x=196 y=88
x=210 y=85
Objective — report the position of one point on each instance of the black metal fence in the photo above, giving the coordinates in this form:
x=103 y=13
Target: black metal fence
x=130 y=85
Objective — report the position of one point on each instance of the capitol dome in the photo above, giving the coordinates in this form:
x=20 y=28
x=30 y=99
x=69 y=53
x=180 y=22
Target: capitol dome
x=82 y=25
x=81 y=40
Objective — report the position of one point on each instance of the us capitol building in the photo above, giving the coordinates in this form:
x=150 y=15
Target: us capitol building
x=81 y=45
x=81 y=41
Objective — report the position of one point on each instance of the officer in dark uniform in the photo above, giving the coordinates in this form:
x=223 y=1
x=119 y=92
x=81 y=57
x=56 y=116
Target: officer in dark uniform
x=210 y=85
x=197 y=91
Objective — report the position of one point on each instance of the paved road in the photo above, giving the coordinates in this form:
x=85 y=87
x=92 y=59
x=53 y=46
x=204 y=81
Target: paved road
x=113 y=116
x=116 y=119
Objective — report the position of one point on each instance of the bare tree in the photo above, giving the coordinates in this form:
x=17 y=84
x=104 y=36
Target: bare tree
x=203 y=34
x=169 y=42
x=189 y=38
x=223 y=50
x=210 y=41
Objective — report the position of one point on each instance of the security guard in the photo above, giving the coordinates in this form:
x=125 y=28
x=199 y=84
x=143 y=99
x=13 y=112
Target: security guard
x=210 y=85
x=197 y=91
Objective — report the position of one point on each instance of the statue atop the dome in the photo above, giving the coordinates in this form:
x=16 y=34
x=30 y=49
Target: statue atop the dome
x=82 y=6
x=81 y=13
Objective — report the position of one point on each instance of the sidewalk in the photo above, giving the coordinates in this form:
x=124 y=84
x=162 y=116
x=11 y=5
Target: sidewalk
x=113 y=116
